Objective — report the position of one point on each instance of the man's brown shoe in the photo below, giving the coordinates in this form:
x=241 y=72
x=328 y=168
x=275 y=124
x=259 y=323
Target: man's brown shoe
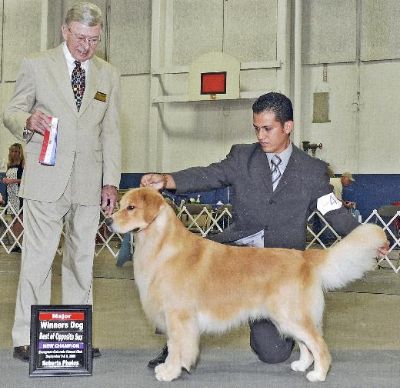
x=22 y=353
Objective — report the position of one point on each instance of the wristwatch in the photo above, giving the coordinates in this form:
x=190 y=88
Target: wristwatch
x=27 y=134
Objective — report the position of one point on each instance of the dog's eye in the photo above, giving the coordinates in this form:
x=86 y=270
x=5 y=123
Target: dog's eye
x=130 y=207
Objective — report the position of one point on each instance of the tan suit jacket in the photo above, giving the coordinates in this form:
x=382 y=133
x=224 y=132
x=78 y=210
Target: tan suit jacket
x=88 y=142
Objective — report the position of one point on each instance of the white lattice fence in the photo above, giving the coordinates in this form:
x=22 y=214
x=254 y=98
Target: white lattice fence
x=205 y=220
x=391 y=227
x=391 y=259
x=8 y=219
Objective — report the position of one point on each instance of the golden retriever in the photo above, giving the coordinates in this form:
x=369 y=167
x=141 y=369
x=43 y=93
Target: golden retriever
x=189 y=285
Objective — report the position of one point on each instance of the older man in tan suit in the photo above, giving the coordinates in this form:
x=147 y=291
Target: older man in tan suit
x=82 y=91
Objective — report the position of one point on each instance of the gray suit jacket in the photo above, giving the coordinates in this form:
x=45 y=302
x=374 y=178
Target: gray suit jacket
x=281 y=213
x=88 y=150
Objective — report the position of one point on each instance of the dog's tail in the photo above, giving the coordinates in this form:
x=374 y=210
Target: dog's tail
x=352 y=257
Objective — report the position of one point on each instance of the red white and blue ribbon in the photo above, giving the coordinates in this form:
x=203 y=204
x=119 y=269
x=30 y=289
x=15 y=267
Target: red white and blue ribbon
x=49 y=145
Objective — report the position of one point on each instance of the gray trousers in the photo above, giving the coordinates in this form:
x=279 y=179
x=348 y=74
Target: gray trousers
x=268 y=343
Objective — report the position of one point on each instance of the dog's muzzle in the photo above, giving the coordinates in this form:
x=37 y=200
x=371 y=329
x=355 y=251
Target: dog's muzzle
x=109 y=221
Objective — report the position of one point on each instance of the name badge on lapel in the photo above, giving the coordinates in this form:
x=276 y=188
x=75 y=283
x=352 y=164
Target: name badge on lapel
x=100 y=96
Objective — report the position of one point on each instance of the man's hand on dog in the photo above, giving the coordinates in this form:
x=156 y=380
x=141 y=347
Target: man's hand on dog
x=109 y=195
x=158 y=181
x=384 y=250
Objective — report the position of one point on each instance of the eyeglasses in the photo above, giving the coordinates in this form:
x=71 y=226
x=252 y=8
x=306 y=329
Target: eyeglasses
x=83 y=39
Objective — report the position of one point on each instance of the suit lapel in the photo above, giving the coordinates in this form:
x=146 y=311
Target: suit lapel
x=263 y=170
x=62 y=79
x=292 y=171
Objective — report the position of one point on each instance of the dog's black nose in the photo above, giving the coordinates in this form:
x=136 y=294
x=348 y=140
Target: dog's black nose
x=108 y=221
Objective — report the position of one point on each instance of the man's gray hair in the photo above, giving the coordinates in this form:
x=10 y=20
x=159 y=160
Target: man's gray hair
x=86 y=13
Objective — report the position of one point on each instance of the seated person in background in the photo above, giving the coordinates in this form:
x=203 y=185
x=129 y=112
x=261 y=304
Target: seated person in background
x=338 y=183
x=15 y=167
x=276 y=186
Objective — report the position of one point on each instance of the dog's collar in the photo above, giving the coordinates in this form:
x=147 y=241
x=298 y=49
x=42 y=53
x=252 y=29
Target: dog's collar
x=137 y=230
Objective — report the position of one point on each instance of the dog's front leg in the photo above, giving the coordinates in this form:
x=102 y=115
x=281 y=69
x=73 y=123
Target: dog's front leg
x=183 y=345
x=171 y=369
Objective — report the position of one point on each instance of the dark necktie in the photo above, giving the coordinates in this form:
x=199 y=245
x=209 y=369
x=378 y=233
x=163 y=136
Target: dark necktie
x=78 y=83
x=275 y=172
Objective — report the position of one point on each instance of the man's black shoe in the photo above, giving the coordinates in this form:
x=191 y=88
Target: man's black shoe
x=96 y=352
x=22 y=353
x=159 y=359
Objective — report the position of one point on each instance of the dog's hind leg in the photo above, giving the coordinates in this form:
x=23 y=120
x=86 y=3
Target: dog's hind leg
x=183 y=345
x=322 y=358
x=312 y=338
x=305 y=360
x=305 y=331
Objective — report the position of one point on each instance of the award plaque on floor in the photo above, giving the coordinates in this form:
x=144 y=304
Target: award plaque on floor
x=61 y=340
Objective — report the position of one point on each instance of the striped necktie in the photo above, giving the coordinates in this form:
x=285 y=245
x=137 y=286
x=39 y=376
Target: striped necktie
x=78 y=83
x=275 y=172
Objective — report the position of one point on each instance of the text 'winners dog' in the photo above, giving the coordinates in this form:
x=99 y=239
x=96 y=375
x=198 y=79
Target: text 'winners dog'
x=189 y=285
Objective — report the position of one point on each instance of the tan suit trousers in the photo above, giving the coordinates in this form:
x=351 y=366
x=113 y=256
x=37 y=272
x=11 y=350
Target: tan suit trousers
x=43 y=223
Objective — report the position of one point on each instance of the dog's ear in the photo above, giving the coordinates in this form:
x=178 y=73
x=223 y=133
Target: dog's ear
x=153 y=201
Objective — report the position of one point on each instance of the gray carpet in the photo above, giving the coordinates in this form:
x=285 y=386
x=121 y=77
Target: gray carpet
x=361 y=328
x=217 y=368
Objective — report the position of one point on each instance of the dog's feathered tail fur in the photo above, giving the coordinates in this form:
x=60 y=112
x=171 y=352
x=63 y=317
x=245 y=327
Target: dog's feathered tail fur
x=352 y=257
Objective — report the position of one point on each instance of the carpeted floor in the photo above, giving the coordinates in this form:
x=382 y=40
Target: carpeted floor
x=361 y=325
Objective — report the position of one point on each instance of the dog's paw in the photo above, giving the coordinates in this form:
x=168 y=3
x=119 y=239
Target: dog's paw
x=299 y=366
x=314 y=376
x=167 y=372
x=303 y=363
